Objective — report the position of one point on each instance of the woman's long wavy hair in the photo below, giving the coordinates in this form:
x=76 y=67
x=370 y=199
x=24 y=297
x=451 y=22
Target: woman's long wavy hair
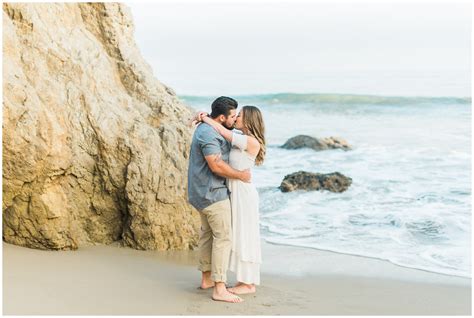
x=253 y=121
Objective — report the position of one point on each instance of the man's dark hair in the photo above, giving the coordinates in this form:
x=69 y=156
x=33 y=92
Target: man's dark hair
x=222 y=106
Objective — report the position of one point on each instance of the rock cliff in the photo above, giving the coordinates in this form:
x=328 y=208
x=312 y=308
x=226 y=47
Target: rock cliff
x=95 y=149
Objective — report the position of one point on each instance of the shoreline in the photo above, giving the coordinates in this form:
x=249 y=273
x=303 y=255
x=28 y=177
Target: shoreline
x=113 y=280
x=336 y=263
x=370 y=257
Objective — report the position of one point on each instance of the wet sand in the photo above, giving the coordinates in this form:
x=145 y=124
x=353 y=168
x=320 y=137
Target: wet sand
x=112 y=280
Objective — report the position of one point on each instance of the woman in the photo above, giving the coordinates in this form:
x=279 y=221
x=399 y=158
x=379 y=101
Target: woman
x=248 y=149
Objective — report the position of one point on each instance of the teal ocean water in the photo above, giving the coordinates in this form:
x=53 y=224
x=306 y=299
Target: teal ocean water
x=410 y=200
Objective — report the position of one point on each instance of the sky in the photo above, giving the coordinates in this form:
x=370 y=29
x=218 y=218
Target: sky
x=205 y=48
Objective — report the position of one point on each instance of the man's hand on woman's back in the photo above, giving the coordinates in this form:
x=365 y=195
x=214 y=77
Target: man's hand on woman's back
x=246 y=176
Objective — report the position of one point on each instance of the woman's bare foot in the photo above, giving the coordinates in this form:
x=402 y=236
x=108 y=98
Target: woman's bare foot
x=226 y=296
x=241 y=289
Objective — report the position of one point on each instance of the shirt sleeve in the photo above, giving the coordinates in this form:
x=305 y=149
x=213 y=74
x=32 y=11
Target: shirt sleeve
x=209 y=144
x=239 y=141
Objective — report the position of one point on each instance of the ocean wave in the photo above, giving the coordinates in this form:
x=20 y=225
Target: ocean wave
x=332 y=99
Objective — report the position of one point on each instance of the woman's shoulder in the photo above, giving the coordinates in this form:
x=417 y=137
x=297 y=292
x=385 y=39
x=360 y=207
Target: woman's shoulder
x=252 y=141
x=253 y=146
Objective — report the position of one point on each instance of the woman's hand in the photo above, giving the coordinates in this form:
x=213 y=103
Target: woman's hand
x=202 y=115
x=196 y=119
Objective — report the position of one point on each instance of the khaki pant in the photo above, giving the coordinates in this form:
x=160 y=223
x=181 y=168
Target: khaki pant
x=215 y=240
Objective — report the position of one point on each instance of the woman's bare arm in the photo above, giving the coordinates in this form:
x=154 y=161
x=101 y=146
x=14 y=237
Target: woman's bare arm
x=226 y=133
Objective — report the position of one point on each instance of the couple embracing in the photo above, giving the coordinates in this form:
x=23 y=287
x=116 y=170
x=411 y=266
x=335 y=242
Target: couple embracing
x=220 y=188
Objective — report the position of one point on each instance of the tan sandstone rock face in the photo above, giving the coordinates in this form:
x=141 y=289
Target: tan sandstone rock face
x=95 y=149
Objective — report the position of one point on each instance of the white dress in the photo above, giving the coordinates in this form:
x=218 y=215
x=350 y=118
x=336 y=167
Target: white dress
x=245 y=257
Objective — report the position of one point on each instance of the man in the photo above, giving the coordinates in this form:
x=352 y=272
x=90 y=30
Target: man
x=208 y=193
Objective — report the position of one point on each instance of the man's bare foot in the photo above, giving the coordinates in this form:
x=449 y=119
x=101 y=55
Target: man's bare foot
x=206 y=281
x=226 y=296
x=243 y=289
x=207 y=285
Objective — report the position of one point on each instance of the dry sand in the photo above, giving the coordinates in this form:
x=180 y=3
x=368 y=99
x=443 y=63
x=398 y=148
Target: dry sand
x=110 y=280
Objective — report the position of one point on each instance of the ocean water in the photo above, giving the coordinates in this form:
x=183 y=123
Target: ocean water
x=410 y=198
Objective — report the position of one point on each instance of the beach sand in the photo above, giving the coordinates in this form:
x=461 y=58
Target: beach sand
x=112 y=280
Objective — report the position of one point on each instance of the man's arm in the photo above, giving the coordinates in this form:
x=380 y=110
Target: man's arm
x=221 y=168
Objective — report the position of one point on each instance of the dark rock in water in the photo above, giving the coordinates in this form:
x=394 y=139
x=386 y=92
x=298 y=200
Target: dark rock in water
x=303 y=180
x=303 y=141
